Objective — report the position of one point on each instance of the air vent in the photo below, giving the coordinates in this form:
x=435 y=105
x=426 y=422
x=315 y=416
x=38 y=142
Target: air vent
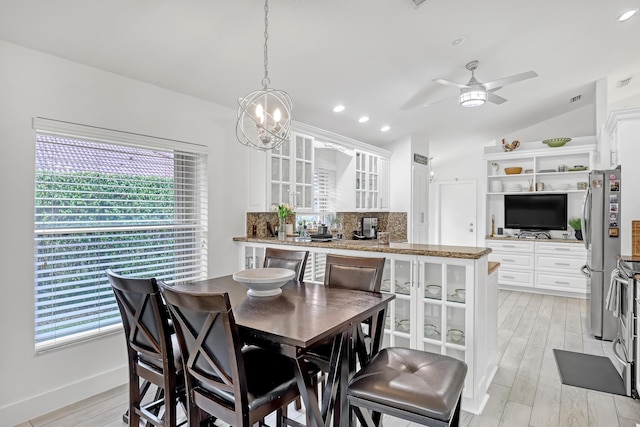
x=623 y=83
x=575 y=98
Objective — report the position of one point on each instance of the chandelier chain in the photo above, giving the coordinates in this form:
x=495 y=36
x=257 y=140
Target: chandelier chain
x=265 y=80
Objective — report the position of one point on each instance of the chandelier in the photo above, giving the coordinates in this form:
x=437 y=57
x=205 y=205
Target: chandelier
x=264 y=116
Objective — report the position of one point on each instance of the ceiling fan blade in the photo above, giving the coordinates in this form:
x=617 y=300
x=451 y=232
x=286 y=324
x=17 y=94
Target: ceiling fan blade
x=496 y=99
x=508 y=80
x=450 y=83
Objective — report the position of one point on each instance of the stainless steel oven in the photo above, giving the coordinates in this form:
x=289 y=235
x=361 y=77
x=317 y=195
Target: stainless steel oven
x=624 y=346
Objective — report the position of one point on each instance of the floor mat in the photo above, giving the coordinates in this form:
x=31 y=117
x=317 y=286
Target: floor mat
x=588 y=371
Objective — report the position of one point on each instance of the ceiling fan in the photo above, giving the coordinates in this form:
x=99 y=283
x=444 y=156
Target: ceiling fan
x=472 y=94
x=475 y=93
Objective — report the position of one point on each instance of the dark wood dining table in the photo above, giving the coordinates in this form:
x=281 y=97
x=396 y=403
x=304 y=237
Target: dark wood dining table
x=303 y=316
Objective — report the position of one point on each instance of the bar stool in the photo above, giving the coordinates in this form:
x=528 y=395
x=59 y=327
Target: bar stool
x=421 y=387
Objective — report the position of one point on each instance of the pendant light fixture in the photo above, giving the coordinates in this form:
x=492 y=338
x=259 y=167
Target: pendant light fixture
x=264 y=116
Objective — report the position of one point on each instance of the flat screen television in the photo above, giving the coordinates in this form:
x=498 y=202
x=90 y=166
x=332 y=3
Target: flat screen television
x=535 y=211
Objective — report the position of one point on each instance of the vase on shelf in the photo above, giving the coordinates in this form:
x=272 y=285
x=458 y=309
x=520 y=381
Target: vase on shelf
x=282 y=230
x=578 y=234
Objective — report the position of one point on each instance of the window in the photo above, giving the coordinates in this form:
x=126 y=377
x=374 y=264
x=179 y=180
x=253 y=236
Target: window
x=106 y=199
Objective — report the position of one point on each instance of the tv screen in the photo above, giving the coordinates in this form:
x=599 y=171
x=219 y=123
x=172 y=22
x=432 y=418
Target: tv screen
x=535 y=211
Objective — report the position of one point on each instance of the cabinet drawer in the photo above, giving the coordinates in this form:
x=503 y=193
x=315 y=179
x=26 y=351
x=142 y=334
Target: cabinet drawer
x=514 y=260
x=561 y=282
x=519 y=278
x=569 y=266
x=510 y=246
x=563 y=249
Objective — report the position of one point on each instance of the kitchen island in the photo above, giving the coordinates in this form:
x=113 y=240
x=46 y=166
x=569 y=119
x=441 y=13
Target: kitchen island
x=445 y=301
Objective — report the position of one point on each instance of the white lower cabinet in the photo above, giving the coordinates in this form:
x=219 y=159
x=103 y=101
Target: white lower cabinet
x=442 y=305
x=540 y=266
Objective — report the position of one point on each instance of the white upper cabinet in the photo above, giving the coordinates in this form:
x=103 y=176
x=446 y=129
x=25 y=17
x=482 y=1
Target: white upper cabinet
x=291 y=172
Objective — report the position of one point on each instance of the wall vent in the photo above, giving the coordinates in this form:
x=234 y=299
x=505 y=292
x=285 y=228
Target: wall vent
x=575 y=98
x=623 y=83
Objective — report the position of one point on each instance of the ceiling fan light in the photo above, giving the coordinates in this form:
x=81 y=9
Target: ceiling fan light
x=473 y=97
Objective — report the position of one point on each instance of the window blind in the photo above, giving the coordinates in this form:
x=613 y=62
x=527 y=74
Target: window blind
x=103 y=203
x=325 y=190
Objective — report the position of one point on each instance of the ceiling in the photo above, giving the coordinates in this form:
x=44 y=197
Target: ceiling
x=373 y=56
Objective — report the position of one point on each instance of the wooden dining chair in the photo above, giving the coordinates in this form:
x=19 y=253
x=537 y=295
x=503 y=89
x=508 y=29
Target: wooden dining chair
x=359 y=273
x=283 y=258
x=152 y=351
x=237 y=384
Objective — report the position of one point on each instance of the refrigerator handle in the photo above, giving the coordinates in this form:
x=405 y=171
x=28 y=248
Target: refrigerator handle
x=585 y=220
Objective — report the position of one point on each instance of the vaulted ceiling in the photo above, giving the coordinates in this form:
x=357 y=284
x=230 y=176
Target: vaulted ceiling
x=374 y=56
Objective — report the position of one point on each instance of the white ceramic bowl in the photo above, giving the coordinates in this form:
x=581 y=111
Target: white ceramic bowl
x=263 y=282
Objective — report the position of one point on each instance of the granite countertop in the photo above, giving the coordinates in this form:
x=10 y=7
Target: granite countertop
x=466 y=252
x=574 y=241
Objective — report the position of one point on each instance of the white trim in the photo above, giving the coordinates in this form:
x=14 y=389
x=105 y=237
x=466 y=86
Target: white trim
x=339 y=139
x=111 y=136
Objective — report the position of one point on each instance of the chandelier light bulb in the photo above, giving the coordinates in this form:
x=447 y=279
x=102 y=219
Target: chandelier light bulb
x=277 y=115
x=260 y=113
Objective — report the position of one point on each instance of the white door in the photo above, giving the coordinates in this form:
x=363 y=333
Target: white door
x=456 y=222
x=420 y=206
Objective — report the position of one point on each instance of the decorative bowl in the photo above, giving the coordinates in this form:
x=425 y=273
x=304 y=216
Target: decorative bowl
x=556 y=142
x=263 y=282
x=513 y=170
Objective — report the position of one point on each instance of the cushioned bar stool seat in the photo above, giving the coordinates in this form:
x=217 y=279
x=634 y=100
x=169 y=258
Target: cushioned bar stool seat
x=414 y=385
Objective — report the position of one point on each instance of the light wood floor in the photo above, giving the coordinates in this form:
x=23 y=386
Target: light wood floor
x=526 y=390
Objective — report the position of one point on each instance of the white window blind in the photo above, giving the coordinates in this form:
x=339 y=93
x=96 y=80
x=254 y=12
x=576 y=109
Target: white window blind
x=325 y=190
x=101 y=203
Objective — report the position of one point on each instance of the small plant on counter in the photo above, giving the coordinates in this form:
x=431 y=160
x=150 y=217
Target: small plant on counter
x=576 y=224
x=284 y=211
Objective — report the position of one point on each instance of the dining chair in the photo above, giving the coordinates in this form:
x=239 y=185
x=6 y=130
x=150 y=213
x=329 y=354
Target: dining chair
x=414 y=385
x=359 y=273
x=152 y=351
x=235 y=383
x=293 y=260
x=283 y=258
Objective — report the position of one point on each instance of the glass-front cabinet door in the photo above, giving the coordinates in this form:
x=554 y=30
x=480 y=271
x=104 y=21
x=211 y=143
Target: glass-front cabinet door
x=292 y=173
x=429 y=312
x=366 y=181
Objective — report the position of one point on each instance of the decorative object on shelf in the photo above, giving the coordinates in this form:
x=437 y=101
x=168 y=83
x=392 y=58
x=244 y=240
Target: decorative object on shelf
x=284 y=211
x=493 y=225
x=578 y=168
x=383 y=238
x=455 y=335
x=530 y=185
x=433 y=290
x=576 y=224
x=496 y=186
x=430 y=330
x=547 y=171
x=539 y=186
x=513 y=170
x=528 y=171
x=496 y=168
x=263 y=282
x=510 y=146
x=581 y=185
x=563 y=168
x=264 y=116
x=556 y=142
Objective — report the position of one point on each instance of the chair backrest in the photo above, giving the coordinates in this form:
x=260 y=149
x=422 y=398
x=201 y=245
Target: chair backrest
x=145 y=319
x=282 y=258
x=211 y=352
x=362 y=273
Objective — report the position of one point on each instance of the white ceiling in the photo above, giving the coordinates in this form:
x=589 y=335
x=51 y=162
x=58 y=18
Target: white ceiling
x=373 y=56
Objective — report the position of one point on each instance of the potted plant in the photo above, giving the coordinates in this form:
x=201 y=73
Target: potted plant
x=576 y=224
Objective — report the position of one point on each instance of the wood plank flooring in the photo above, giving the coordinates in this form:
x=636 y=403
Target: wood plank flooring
x=526 y=390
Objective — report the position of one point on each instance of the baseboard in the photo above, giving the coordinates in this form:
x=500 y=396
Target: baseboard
x=35 y=406
x=531 y=290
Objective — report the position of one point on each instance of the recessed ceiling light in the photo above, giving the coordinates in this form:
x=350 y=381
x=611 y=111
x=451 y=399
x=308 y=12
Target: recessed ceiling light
x=458 y=41
x=363 y=119
x=338 y=108
x=385 y=128
x=628 y=14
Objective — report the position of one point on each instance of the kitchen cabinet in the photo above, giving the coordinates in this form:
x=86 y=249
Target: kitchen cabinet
x=366 y=181
x=290 y=168
x=443 y=304
x=544 y=170
x=622 y=130
x=551 y=267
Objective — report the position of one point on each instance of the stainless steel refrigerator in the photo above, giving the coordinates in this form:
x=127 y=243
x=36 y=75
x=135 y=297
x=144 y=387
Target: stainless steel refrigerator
x=600 y=231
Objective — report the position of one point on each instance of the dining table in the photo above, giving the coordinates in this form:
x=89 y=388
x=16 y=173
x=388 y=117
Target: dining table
x=302 y=317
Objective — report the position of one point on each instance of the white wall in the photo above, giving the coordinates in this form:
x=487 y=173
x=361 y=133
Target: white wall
x=35 y=84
